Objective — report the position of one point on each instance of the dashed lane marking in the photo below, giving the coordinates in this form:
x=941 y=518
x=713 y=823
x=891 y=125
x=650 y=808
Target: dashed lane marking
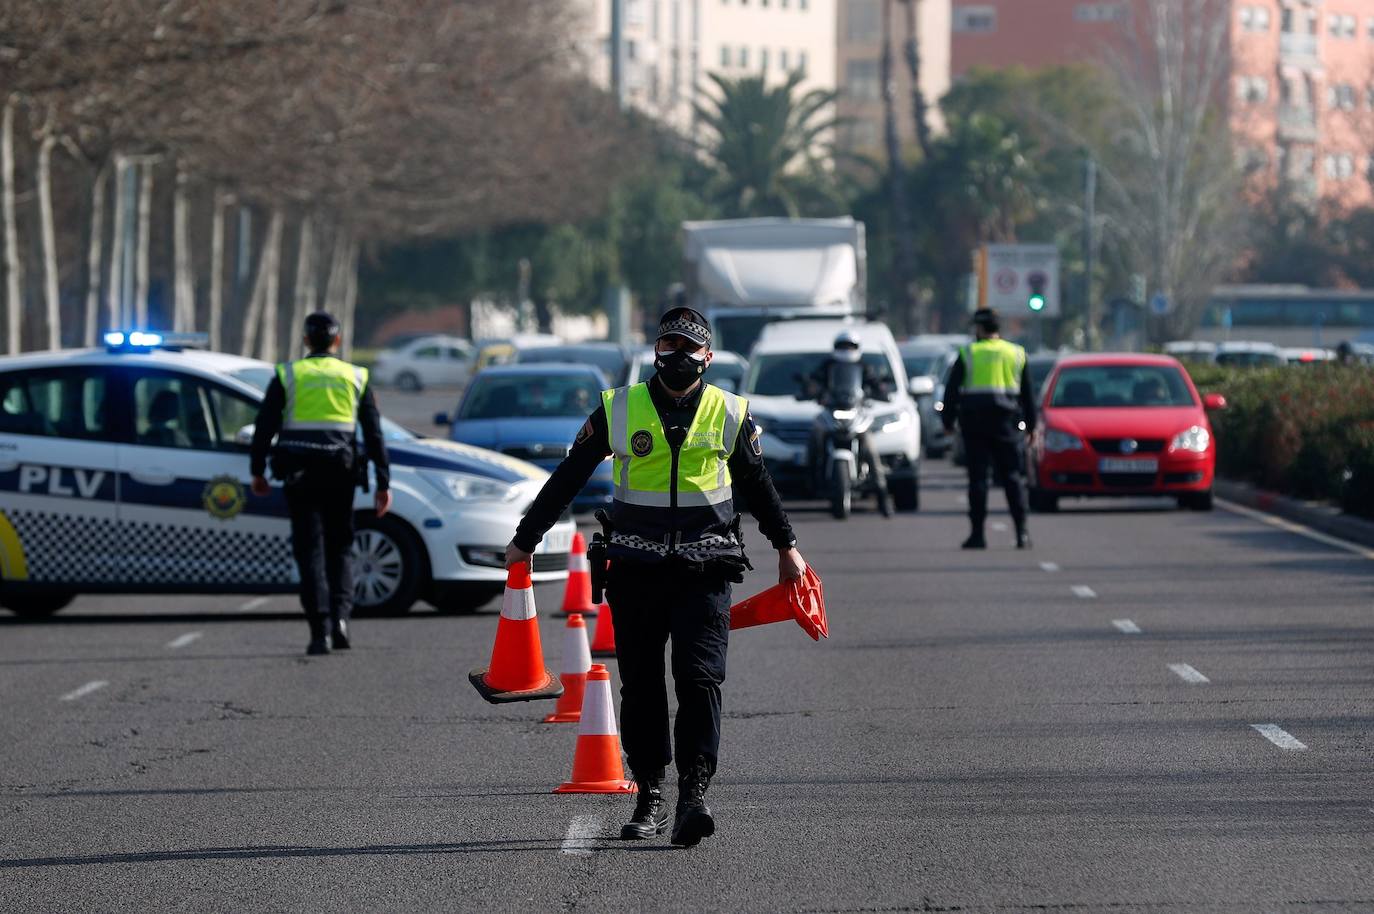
x=1188 y=673
x=1084 y=592
x=93 y=686
x=1280 y=737
x=252 y=604
x=1126 y=626
x=1049 y=567
x=1299 y=529
x=183 y=640
x=582 y=831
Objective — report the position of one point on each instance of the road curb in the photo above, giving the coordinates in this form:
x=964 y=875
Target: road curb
x=1317 y=515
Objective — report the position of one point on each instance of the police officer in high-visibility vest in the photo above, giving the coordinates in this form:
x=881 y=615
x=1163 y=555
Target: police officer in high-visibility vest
x=683 y=450
x=313 y=407
x=989 y=393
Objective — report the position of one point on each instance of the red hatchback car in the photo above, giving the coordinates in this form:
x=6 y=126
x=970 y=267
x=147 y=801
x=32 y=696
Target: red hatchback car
x=1123 y=424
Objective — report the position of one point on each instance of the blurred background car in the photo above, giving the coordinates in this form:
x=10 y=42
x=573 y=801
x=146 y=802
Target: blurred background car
x=612 y=358
x=727 y=369
x=533 y=413
x=506 y=350
x=1200 y=351
x=426 y=361
x=1248 y=355
x=927 y=360
x=1307 y=356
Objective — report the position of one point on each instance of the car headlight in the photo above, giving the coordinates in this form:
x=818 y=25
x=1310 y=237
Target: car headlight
x=1058 y=441
x=1196 y=439
x=463 y=487
x=894 y=423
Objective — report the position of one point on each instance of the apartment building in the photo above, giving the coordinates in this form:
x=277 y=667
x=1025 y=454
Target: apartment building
x=1301 y=100
x=859 y=70
x=672 y=45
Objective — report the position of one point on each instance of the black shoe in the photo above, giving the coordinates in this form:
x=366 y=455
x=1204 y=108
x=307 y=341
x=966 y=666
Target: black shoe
x=975 y=541
x=318 y=645
x=694 y=820
x=340 y=635
x=650 y=818
x=1023 y=540
x=885 y=505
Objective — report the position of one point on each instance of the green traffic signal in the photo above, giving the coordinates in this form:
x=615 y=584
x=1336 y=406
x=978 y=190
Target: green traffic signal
x=1036 y=303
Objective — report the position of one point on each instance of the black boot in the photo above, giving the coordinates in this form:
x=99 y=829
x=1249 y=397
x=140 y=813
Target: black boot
x=975 y=540
x=339 y=635
x=693 y=821
x=650 y=818
x=1023 y=540
x=319 y=638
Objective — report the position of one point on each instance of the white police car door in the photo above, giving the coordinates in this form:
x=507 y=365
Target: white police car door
x=58 y=477
x=185 y=504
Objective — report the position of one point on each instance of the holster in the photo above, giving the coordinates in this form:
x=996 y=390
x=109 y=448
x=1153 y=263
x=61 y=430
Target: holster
x=596 y=557
x=360 y=463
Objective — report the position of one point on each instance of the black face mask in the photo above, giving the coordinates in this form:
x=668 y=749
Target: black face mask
x=679 y=370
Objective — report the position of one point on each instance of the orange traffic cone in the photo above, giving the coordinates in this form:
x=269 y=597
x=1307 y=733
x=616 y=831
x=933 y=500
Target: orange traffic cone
x=517 y=671
x=597 y=767
x=802 y=600
x=576 y=661
x=577 y=595
x=603 y=642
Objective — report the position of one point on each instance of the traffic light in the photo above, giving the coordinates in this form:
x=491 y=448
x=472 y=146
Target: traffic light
x=1037 y=283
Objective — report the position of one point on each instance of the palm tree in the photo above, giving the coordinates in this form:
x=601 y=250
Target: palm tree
x=772 y=153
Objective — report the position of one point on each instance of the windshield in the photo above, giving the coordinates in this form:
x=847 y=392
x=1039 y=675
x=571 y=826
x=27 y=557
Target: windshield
x=1249 y=359
x=1121 y=385
x=922 y=364
x=1039 y=372
x=543 y=396
x=610 y=361
x=727 y=375
x=783 y=374
x=261 y=377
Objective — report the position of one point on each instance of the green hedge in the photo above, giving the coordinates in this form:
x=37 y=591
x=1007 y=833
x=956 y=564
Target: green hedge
x=1306 y=431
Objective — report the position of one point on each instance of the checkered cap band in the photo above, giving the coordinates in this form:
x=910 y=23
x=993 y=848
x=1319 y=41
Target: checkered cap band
x=697 y=333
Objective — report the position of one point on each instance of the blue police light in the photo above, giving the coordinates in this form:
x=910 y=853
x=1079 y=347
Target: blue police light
x=144 y=339
x=114 y=339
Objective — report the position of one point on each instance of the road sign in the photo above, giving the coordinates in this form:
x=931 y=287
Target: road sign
x=1019 y=273
x=1160 y=304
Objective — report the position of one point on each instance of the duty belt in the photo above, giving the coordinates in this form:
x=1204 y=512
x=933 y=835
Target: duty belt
x=699 y=551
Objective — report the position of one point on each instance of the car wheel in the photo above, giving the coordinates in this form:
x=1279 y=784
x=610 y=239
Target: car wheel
x=1043 y=502
x=1196 y=501
x=408 y=380
x=906 y=493
x=389 y=566
x=36 y=605
x=465 y=599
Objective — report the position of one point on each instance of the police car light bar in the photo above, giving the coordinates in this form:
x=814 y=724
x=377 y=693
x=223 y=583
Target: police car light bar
x=149 y=339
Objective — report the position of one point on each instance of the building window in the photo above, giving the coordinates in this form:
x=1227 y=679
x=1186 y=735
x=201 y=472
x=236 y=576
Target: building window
x=1348 y=26
x=1098 y=12
x=802 y=4
x=1262 y=19
x=1339 y=166
x=1341 y=96
x=975 y=19
x=1256 y=18
x=1252 y=89
x=1369 y=96
x=861 y=80
x=763 y=59
x=863 y=22
x=744 y=57
x=725 y=55
x=801 y=62
x=782 y=60
x=1370 y=26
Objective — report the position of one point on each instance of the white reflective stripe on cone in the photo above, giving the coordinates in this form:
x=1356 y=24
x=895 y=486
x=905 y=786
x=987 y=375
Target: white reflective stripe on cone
x=577 y=561
x=577 y=656
x=518 y=605
x=598 y=714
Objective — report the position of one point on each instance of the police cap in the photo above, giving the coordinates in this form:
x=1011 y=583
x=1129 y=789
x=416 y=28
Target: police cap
x=687 y=323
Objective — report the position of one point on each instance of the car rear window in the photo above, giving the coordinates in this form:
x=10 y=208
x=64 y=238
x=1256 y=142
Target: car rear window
x=512 y=396
x=1121 y=385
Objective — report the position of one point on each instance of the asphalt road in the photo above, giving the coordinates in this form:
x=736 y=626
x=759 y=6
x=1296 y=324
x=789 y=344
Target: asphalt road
x=1007 y=731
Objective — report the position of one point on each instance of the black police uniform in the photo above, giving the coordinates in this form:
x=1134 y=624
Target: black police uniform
x=320 y=470
x=991 y=440
x=688 y=602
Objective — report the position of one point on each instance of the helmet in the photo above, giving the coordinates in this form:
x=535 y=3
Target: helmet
x=847 y=346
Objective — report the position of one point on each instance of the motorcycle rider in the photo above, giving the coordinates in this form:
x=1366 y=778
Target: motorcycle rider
x=847 y=350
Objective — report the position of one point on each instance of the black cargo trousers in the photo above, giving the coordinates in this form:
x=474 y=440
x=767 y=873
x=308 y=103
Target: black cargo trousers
x=993 y=441
x=650 y=604
x=320 y=499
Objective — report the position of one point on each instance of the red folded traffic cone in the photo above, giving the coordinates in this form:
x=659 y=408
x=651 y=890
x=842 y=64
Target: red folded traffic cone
x=802 y=600
x=577 y=594
x=603 y=642
x=597 y=767
x=517 y=671
x=576 y=661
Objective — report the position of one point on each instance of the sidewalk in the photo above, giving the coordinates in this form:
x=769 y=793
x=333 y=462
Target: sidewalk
x=1317 y=515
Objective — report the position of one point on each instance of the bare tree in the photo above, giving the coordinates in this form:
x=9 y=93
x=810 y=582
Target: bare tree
x=184 y=285
x=14 y=284
x=911 y=47
x=899 y=201
x=215 y=320
x=95 y=247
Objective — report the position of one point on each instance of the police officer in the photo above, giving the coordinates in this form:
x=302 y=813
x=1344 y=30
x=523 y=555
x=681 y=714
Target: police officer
x=313 y=406
x=989 y=392
x=682 y=449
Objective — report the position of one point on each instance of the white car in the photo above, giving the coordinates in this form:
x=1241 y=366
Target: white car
x=727 y=369
x=429 y=361
x=125 y=470
x=786 y=354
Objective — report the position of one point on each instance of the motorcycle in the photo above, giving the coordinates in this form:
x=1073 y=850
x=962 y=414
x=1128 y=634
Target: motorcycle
x=843 y=463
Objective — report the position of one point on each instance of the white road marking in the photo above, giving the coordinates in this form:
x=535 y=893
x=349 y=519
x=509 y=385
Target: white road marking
x=1280 y=737
x=88 y=688
x=252 y=604
x=1084 y=592
x=183 y=640
x=1299 y=529
x=999 y=526
x=582 y=831
x=1049 y=567
x=1126 y=626
x=1188 y=673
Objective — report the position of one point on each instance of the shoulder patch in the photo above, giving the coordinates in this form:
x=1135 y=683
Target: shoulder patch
x=755 y=437
x=584 y=432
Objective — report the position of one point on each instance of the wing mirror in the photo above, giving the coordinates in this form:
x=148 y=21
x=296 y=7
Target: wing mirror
x=924 y=386
x=1213 y=402
x=244 y=436
x=442 y=419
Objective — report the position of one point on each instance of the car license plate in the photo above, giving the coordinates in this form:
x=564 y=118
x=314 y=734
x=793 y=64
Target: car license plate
x=557 y=542
x=1118 y=465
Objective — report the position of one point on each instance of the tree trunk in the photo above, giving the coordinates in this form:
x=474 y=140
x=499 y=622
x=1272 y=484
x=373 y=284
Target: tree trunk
x=94 y=249
x=350 y=301
x=119 y=241
x=904 y=248
x=184 y=283
x=216 y=319
x=48 y=239
x=145 y=216
x=14 y=284
x=253 y=316
x=334 y=288
x=920 y=111
x=267 y=350
x=304 y=298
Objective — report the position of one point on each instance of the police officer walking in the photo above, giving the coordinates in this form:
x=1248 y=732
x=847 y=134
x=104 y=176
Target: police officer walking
x=682 y=449
x=313 y=407
x=989 y=393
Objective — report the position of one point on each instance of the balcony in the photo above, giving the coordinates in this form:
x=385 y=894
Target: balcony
x=1299 y=50
x=1298 y=124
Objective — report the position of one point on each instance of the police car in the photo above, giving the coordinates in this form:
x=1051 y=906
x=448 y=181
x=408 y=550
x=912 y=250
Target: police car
x=125 y=470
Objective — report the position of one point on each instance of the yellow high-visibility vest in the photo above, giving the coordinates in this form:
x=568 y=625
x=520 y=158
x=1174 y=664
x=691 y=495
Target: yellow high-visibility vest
x=322 y=394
